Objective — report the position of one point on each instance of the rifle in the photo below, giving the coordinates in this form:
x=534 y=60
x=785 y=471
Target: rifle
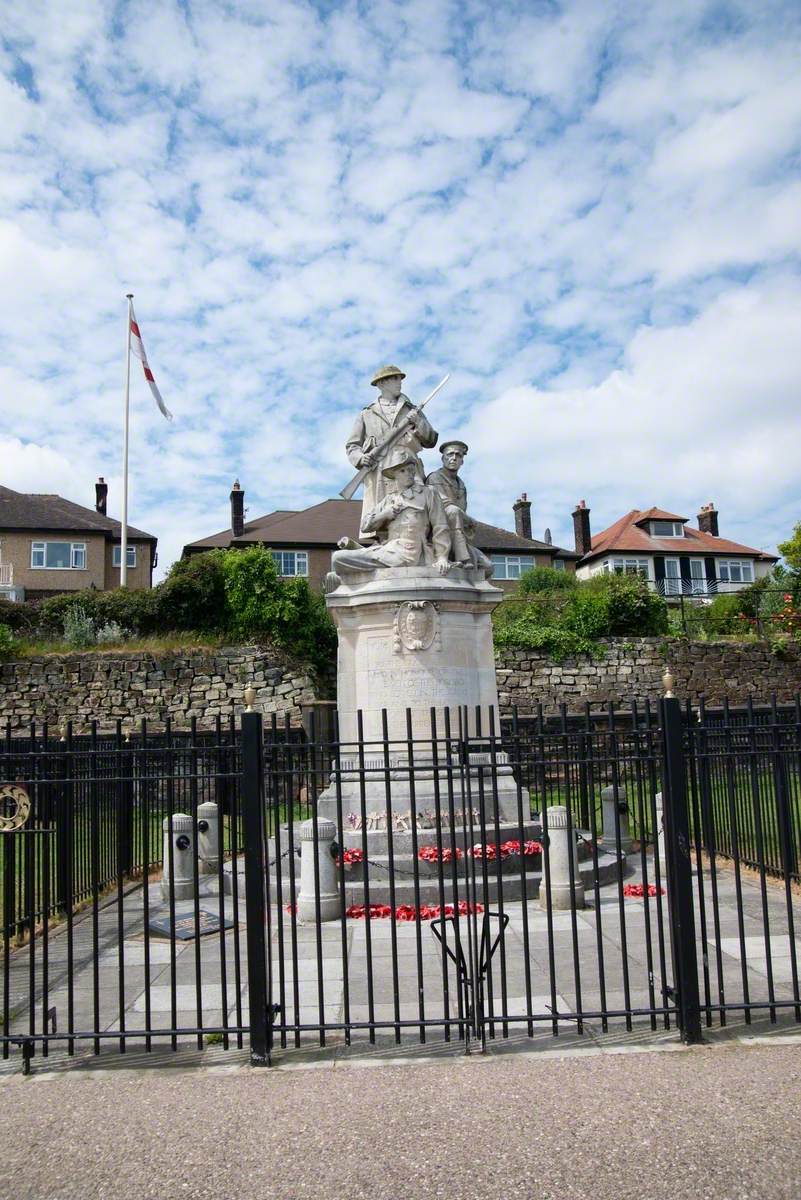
x=378 y=451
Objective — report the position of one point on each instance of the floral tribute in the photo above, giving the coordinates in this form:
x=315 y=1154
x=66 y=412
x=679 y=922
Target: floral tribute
x=349 y=858
x=438 y=854
x=635 y=891
x=491 y=850
x=408 y=912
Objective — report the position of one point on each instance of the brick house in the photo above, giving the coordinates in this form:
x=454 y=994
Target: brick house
x=302 y=542
x=50 y=545
x=676 y=558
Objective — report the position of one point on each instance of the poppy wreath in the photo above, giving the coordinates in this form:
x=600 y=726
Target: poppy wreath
x=438 y=854
x=349 y=858
x=635 y=891
x=408 y=912
x=491 y=850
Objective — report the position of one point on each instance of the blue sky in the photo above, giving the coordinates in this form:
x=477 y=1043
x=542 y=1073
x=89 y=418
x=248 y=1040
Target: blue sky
x=589 y=213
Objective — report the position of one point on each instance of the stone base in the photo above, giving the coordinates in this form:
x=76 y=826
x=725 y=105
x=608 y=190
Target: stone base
x=415 y=881
x=412 y=639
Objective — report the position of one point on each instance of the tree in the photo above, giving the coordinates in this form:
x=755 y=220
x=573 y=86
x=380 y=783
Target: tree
x=791 y=549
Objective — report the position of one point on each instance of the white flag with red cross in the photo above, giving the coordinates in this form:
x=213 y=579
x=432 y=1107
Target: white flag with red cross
x=139 y=350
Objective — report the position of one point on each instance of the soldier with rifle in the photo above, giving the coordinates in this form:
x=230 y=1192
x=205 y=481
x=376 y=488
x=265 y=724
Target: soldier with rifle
x=389 y=425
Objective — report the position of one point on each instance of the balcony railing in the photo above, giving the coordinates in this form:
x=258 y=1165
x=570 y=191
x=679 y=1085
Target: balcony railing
x=6 y=574
x=701 y=589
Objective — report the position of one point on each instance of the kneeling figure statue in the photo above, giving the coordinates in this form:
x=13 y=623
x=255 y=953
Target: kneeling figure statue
x=412 y=519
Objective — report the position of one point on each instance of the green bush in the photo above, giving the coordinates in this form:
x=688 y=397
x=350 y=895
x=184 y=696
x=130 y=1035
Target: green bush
x=193 y=596
x=545 y=579
x=570 y=620
x=79 y=628
x=725 y=617
x=525 y=631
x=285 y=611
x=20 y=618
x=6 y=641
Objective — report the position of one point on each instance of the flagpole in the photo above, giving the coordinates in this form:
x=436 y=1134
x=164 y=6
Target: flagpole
x=124 y=533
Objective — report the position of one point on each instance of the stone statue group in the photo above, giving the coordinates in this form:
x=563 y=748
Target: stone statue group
x=408 y=519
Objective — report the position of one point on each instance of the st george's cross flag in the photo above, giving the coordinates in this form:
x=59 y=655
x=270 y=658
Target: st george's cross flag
x=139 y=350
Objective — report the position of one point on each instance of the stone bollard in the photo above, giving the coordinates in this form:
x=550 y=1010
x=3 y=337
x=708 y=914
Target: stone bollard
x=183 y=851
x=208 y=838
x=561 y=845
x=329 y=891
x=614 y=797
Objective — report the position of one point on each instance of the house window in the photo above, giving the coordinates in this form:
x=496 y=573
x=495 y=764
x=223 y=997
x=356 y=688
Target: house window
x=627 y=566
x=510 y=566
x=672 y=577
x=697 y=575
x=735 y=571
x=130 y=556
x=58 y=556
x=667 y=529
x=558 y=564
x=291 y=562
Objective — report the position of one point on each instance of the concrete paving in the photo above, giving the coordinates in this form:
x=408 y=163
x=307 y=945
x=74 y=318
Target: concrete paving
x=614 y=955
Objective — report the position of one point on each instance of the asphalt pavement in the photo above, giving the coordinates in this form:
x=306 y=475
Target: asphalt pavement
x=715 y=1122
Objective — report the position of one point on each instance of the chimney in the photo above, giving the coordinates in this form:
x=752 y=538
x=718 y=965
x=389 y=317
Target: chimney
x=101 y=495
x=237 y=510
x=581 y=528
x=522 y=511
x=708 y=520
x=546 y=537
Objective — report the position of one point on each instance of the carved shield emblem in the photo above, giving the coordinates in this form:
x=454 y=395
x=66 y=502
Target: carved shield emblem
x=416 y=625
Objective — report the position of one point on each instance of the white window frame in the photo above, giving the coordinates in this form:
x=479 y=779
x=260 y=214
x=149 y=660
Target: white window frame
x=300 y=562
x=77 y=556
x=505 y=565
x=741 y=564
x=116 y=556
x=678 y=529
x=628 y=566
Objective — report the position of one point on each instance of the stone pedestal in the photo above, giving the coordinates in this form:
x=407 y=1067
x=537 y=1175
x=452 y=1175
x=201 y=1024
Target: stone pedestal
x=183 y=857
x=411 y=640
x=562 y=848
x=615 y=820
x=318 y=873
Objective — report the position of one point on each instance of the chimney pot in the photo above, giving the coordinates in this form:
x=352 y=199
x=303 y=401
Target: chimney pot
x=101 y=495
x=708 y=519
x=581 y=528
x=237 y=510
x=522 y=511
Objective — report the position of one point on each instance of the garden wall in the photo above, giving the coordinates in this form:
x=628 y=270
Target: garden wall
x=632 y=668
x=180 y=685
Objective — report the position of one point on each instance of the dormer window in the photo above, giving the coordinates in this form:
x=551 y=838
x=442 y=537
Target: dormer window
x=667 y=529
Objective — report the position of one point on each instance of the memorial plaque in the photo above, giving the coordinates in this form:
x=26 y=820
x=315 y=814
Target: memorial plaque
x=185 y=924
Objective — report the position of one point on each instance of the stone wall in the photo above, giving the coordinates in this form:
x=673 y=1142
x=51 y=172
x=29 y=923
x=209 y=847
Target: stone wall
x=632 y=668
x=192 y=683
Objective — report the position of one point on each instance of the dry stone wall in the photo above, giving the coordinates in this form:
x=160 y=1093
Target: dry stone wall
x=109 y=686
x=632 y=668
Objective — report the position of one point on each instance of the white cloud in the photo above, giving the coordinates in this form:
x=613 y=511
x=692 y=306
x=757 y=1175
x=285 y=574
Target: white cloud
x=589 y=214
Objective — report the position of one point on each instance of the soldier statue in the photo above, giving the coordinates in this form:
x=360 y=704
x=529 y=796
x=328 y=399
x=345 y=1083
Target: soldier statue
x=372 y=427
x=412 y=517
x=453 y=493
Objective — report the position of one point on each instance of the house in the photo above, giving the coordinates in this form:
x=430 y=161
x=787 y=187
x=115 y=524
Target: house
x=302 y=541
x=50 y=545
x=676 y=558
